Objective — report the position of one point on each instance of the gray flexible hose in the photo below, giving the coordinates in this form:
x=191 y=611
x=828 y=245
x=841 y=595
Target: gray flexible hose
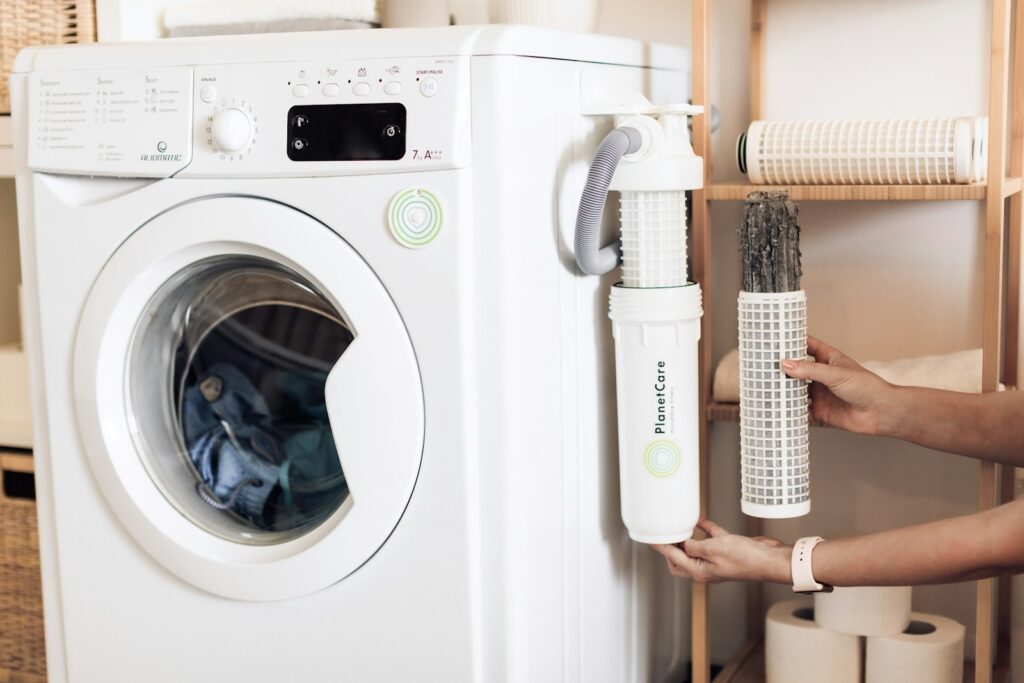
x=591 y=259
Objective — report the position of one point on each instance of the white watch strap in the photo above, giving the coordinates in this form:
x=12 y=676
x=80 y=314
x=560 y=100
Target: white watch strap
x=800 y=564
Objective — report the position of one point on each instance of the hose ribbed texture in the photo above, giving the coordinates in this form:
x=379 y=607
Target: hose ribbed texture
x=592 y=259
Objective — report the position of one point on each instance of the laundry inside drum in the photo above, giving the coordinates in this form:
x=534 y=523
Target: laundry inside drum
x=251 y=455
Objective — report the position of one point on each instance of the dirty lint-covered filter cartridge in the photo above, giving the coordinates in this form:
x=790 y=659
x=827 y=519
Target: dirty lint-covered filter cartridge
x=774 y=450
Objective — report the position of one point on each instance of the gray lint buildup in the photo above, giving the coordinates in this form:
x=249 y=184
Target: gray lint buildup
x=770 y=244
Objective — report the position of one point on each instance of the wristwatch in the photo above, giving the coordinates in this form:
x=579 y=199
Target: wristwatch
x=800 y=564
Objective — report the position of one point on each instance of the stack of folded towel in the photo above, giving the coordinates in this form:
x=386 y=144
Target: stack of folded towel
x=268 y=16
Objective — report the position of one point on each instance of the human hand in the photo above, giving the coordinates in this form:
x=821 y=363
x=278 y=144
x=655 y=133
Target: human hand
x=843 y=393
x=728 y=557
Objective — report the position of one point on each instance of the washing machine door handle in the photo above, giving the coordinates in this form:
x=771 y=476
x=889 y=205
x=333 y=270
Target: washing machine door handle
x=374 y=403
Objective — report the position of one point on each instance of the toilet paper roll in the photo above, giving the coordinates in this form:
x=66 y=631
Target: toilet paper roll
x=864 y=610
x=930 y=650
x=798 y=649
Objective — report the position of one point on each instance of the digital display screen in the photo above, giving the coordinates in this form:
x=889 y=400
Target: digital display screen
x=346 y=132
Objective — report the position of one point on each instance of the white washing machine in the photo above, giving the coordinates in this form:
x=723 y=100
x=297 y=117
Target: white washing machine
x=319 y=393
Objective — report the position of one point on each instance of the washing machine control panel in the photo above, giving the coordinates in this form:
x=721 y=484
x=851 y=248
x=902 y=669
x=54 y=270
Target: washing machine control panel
x=331 y=118
x=125 y=122
x=276 y=119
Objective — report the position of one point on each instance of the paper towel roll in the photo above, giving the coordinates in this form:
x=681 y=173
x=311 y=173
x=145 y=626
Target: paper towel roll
x=864 y=610
x=931 y=650
x=797 y=649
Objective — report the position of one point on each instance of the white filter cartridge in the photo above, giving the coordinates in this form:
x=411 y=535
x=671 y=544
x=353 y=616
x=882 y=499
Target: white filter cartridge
x=656 y=332
x=653 y=238
x=864 y=152
x=774 y=454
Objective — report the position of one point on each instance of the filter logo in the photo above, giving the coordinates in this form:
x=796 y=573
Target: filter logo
x=662 y=458
x=661 y=421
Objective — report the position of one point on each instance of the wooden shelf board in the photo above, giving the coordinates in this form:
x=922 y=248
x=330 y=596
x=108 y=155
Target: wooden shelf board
x=1011 y=186
x=15 y=417
x=12 y=461
x=723 y=412
x=748 y=667
x=973 y=191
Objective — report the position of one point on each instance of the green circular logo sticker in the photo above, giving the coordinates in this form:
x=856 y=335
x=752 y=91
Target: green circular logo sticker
x=661 y=458
x=415 y=217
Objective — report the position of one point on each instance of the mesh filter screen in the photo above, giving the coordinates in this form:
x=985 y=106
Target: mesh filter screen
x=653 y=238
x=865 y=152
x=773 y=407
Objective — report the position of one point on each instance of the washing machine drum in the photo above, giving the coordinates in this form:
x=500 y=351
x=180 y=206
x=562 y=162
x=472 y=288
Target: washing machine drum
x=249 y=398
x=253 y=346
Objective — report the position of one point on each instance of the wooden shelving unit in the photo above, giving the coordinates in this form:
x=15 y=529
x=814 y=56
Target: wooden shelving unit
x=879 y=193
x=1000 y=321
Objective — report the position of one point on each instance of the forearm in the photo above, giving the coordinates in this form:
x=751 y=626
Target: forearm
x=957 y=549
x=987 y=426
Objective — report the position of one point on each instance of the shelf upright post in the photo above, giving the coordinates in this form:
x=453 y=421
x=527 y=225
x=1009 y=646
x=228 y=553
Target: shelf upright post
x=701 y=239
x=1011 y=312
x=992 y=312
x=754 y=526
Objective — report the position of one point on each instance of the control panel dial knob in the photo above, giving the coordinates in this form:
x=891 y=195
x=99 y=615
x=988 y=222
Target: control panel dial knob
x=231 y=129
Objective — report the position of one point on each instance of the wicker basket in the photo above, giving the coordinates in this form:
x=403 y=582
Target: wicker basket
x=22 y=644
x=40 y=22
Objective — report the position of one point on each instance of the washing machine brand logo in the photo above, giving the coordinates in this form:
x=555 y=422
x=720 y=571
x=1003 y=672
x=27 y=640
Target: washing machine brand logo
x=662 y=398
x=161 y=155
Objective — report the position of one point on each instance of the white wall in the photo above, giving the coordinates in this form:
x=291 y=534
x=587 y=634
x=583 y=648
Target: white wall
x=884 y=280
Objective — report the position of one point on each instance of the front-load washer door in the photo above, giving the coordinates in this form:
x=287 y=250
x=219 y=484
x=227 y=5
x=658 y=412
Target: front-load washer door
x=249 y=398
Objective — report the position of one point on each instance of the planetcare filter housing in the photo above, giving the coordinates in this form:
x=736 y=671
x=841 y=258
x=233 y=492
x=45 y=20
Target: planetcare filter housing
x=772 y=319
x=655 y=312
x=656 y=332
x=865 y=152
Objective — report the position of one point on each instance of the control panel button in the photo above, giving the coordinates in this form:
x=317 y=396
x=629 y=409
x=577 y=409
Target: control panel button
x=392 y=87
x=331 y=89
x=429 y=87
x=361 y=88
x=299 y=144
x=415 y=218
x=231 y=129
x=208 y=93
x=391 y=130
x=300 y=90
x=300 y=120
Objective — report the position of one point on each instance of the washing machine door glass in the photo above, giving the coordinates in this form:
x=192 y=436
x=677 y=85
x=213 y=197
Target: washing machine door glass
x=242 y=445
